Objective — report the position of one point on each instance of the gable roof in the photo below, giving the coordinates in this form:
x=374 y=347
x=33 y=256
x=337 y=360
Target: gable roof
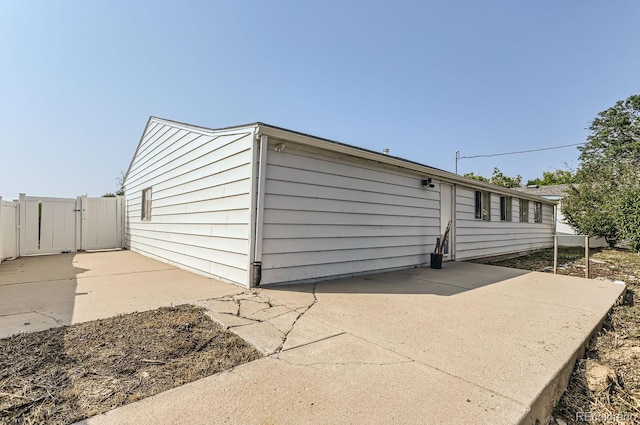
x=276 y=132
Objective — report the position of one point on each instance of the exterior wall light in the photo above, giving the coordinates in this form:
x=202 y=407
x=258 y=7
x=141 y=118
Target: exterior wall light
x=427 y=183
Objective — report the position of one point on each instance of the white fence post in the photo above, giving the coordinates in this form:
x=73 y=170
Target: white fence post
x=22 y=219
x=555 y=254
x=82 y=231
x=16 y=218
x=120 y=220
x=8 y=230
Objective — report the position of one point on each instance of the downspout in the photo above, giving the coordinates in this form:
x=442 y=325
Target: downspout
x=256 y=265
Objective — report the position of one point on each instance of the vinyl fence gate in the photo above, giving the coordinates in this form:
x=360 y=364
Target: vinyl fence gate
x=57 y=225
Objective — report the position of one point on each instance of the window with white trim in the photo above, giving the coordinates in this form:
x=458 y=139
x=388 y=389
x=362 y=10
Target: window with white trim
x=146 y=204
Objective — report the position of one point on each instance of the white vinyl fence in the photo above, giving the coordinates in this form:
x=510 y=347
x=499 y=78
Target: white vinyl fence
x=37 y=225
x=8 y=229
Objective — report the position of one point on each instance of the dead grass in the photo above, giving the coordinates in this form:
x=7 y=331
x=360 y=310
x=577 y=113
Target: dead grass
x=63 y=375
x=616 y=346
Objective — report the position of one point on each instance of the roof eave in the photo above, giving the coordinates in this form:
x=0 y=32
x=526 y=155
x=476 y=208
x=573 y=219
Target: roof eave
x=124 y=179
x=284 y=134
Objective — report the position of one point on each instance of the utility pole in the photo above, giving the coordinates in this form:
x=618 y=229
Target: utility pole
x=457 y=158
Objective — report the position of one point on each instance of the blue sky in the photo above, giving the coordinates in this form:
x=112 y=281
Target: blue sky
x=79 y=79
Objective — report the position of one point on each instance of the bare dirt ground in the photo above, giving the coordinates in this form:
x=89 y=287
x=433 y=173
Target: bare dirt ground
x=63 y=375
x=605 y=385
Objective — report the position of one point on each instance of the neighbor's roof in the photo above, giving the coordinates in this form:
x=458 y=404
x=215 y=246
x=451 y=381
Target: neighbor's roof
x=276 y=132
x=558 y=190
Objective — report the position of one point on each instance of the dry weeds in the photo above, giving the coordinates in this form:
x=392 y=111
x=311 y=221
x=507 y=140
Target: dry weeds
x=617 y=345
x=63 y=375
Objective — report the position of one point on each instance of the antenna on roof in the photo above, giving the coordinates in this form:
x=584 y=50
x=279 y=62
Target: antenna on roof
x=385 y=151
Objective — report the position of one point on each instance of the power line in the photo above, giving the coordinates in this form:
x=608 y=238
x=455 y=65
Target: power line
x=458 y=157
x=517 y=152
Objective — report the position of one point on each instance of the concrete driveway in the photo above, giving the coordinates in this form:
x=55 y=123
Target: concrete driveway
x=466 y=344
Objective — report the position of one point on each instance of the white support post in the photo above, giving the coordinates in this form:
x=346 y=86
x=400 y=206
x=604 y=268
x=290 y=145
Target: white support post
x=586 y=256
x=555 y=254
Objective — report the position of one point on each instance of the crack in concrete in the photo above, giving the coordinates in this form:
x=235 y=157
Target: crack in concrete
x=316 y=364
x=355 y=363
x=18 y=313
x=222 y=297
x=278 y=315
x=314 y=341
x=269 y=305
x=239 y=298
x=238 y=302
x=245 y=324
x=50 y=317
x=300 y=314
x=33 y=312
x=249 y=300
x=256 y=297
x=241 y=317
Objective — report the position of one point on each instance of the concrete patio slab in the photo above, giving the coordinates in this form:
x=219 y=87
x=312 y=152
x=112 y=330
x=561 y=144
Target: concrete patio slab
x=73 y=288
x=342 y=349
x=308 y=330
x=510 y=335
x=32 y=321
x=277 y=391
x=301 y=297
x=265 y=336
x=268 y=324
x=467 y=344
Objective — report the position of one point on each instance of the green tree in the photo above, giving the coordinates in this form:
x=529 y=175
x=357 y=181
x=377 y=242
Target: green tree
x=605 y=201
x=550 y=178
x=588 y=209
x=475 y=176
x=627 y=205
x=615 y=136
x=120 y=191
x=498 y=178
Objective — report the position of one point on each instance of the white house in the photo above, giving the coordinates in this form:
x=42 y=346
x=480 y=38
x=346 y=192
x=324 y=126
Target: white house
x=566 y=234
x=257 y=204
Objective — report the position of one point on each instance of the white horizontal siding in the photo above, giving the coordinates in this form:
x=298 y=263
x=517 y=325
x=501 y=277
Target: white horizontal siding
x=201 y=198
x=327 y=216
x=481 y=238
x=311 y=231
